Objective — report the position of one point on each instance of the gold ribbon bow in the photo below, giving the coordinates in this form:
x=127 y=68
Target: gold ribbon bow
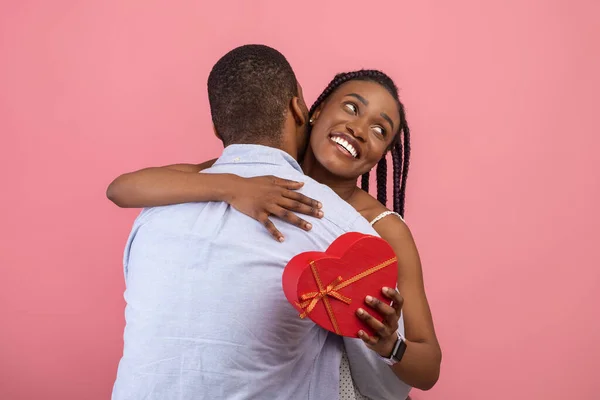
x=311 y=299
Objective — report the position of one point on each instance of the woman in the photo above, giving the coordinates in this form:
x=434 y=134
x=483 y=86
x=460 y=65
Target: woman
x=354 y=123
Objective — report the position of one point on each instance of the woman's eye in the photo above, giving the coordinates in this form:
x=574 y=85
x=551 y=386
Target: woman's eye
x=379 y=130
x=351 y=108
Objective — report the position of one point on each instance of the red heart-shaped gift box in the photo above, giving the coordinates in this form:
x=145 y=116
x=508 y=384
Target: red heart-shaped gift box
x=330 y=286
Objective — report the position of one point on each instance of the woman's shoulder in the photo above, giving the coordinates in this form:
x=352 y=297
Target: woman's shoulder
x=371 y=209
x=388 y=224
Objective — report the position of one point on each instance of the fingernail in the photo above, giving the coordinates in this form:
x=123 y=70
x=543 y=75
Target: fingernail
x=360 y=311
x=320 y=214
x=387 y=290
x=308 y=225
x=369 y=299
x=361 y=333
x=280 y=238
x=319 y=205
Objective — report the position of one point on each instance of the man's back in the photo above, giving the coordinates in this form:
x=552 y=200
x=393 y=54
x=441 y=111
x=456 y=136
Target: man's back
x=206 y=314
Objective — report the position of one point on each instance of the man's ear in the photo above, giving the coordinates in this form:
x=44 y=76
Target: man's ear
x=217 y=133
x=299 y=111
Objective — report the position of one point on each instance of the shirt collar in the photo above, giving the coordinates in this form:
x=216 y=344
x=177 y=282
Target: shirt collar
x=256 y=154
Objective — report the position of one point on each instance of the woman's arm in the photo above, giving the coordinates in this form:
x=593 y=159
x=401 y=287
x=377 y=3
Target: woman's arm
x=420 y=365
x=171 y=184
x=258 y=197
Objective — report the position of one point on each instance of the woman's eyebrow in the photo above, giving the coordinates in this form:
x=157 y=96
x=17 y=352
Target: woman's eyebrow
x=388 y=119
x=360 y=98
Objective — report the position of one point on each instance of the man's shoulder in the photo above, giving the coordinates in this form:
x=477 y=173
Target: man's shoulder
x=335 y=209
x=165 y=211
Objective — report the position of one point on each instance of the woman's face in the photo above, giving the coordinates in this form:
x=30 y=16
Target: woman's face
x=354 y=128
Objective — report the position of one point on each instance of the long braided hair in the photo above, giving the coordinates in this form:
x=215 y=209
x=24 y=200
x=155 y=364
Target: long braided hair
x=400 y=147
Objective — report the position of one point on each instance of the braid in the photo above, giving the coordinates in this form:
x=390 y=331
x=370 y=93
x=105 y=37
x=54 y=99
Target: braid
x=397 y=162
x=400 y=147
x=382 y=180
x=342 y=78
x=364 y=182
x=405 y=158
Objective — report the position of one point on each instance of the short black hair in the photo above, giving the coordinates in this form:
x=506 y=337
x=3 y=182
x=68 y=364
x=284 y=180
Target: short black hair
x=249 y=90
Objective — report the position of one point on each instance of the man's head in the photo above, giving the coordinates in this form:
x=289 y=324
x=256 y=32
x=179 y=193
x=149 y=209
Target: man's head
x=255 y=99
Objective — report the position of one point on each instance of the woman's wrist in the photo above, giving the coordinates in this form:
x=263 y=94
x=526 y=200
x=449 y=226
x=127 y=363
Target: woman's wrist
x=228 y=187
x=386 y=351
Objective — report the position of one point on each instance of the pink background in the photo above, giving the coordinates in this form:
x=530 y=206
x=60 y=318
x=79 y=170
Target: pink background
x=503 y=193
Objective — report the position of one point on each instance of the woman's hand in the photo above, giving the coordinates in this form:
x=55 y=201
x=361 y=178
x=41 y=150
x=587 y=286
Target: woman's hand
x=264 y=196
x=385 y=331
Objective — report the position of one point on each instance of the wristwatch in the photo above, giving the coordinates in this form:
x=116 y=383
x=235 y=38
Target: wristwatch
x=397 y=352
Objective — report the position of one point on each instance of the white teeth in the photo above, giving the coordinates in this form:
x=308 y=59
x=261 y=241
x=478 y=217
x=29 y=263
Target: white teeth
x=345 y=145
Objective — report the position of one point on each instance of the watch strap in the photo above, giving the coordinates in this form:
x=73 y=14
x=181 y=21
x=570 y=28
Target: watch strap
x=397 y=352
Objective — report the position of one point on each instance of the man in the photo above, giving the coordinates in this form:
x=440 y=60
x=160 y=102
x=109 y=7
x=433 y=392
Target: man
x=206 y=315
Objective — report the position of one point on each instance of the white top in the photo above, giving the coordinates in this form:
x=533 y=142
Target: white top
x=348 y=390
x=383 y=215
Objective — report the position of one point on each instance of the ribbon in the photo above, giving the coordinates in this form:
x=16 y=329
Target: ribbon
x=311 y=299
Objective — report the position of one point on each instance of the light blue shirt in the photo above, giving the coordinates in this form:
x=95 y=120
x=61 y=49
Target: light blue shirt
x=206 y=317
